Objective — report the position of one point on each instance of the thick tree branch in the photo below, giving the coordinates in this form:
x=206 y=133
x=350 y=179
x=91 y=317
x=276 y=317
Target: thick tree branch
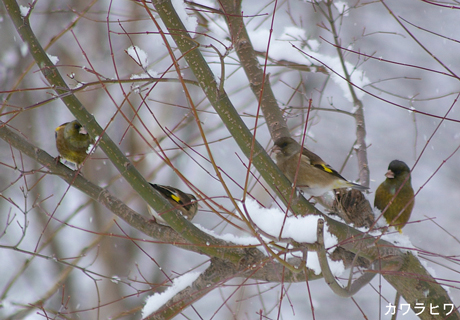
x=257 y=76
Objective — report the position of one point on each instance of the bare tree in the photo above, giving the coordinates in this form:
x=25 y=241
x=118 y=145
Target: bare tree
x=192 y=95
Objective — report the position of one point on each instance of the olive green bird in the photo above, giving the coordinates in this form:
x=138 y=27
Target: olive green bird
x=186 y=203
x=314 y=176
x=73 y=142
x=396 y=206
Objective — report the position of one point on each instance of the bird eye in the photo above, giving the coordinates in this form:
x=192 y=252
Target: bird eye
x=77 y=126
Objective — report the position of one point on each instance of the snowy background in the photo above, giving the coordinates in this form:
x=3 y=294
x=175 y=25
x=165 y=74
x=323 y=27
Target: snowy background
x=404 y=77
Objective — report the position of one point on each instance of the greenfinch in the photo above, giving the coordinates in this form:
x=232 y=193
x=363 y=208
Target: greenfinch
x=314 y=176
x=73 y=142
x=395 y=196
x=185 y=202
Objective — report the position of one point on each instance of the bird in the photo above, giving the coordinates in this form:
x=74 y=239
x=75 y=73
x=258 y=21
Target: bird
x=186 y=203
x=73 y=142
x=395 y=196
x=314 y=176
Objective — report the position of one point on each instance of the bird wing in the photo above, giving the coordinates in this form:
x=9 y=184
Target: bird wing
x=382 y=196
x=168 y=192
x=317 y=162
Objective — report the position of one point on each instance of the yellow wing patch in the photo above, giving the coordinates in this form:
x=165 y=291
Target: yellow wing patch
x=175 y=198
x=325 y=168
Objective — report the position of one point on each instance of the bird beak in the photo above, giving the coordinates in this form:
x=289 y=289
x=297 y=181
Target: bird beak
x=82 y=131
x=390 y=174
x=276 y=149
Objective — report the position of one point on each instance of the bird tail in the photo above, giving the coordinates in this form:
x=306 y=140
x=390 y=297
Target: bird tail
x=357 y=186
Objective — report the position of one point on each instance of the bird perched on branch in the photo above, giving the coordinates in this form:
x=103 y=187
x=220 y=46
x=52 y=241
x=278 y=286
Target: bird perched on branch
x=185 y=202
x=314 y=176
x=73 y=142
x=395 y=196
